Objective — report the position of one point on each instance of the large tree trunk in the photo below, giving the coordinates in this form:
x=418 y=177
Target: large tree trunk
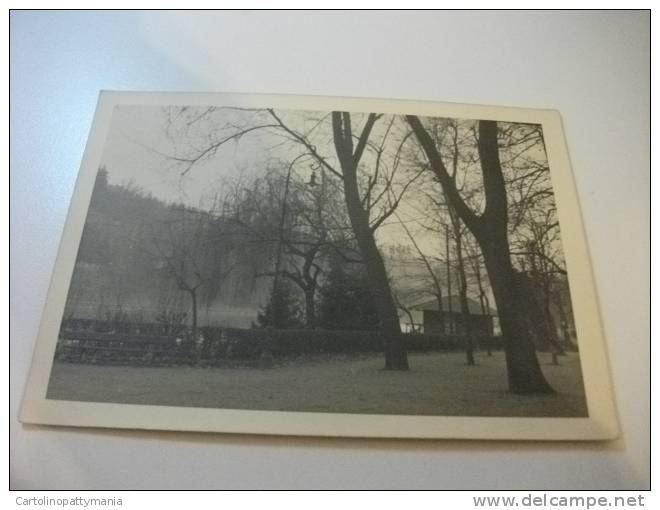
x=395 y=352
x=490 y=230
x=523 y=370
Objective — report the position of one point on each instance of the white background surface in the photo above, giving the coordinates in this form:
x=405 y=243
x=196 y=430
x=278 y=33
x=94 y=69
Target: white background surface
x=593 y=67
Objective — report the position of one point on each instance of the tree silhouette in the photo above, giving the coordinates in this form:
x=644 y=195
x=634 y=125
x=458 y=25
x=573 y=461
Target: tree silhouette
x=282 y=310
x=490 y=228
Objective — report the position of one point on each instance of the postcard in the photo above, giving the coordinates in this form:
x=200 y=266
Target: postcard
x=323 y=266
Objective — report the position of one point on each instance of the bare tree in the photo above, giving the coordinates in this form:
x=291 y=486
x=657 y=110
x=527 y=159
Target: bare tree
x=313 y=225
x=457 y=228
x=184 y=247
x=534 y=229
x=371 y=195
x=358 y=207
x=445 y=220
x=490 y=228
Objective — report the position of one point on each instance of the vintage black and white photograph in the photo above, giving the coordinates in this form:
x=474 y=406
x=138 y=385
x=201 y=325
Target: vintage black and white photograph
x=320 y=261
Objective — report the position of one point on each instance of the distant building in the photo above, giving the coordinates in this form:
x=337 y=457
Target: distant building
x=430 y=320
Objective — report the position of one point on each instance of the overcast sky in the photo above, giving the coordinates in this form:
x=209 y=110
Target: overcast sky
x=137 y=151
x=139 y=143
x=143 y=139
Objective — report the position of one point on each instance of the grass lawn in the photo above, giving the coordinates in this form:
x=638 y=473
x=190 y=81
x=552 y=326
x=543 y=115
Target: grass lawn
x=437 y=384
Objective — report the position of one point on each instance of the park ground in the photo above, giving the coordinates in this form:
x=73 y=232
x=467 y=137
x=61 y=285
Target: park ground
x=437 y=384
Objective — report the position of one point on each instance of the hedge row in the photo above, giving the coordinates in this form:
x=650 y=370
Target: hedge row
x=250 y=343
